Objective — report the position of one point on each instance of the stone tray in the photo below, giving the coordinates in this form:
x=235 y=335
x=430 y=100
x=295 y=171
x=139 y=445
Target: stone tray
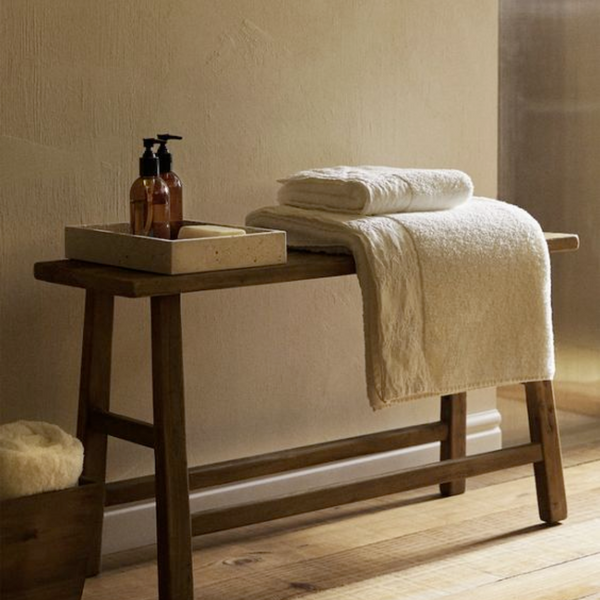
x=112 y=244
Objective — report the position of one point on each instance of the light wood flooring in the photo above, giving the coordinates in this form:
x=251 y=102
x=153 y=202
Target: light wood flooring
x=486 y=544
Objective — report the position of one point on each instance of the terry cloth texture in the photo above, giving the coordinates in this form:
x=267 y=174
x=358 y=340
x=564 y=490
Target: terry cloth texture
x=452 y=300
x=376 y=190
x=37 y=457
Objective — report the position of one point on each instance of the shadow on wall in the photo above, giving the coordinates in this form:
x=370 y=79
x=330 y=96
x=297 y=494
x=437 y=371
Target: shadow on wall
x=549 y=157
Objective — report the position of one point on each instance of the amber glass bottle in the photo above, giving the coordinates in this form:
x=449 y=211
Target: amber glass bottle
x=149 y=198
x=165 y=159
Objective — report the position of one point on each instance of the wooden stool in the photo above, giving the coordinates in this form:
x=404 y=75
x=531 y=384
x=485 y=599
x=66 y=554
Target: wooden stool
x=171 y=484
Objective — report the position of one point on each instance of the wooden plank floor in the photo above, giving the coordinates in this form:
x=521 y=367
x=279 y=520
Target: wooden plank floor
x=487 y=544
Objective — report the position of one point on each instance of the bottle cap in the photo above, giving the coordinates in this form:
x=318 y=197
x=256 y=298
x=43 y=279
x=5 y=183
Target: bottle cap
x=149 y=160
x=164 y=156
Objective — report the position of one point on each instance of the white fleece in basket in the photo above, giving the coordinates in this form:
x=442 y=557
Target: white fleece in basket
x=37 y=457
x=453 y=300
x=372 y=190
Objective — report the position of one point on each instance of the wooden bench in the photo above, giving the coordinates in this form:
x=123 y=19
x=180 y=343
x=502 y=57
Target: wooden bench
x=166 y=435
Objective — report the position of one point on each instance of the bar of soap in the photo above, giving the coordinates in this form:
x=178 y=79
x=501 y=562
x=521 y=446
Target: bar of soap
x=202 y=231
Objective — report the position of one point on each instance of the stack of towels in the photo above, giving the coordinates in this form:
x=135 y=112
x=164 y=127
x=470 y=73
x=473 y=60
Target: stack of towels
x=456 y=289
x=37 y=457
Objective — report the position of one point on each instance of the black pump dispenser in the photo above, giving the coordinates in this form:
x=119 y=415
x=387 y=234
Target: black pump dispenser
x=164 y=156
x=149 y=163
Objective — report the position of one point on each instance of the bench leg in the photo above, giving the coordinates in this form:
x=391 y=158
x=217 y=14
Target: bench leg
x=454 y=414
x=94 y=392
x=549 y=480
x=172 y=492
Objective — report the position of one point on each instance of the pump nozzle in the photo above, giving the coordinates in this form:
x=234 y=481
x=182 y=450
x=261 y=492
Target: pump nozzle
x=167 y=136
x=149 y=160
x=164 y=156
x=149 y=143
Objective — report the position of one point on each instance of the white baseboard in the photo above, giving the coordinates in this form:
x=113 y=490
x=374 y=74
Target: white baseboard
x=133 y=525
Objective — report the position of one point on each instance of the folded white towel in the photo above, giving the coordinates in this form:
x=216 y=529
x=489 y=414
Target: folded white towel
x=376 y=190
x=37 y=457
x=453 y=300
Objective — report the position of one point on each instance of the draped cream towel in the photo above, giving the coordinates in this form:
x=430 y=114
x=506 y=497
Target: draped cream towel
x=453 y=300
x=376 y=190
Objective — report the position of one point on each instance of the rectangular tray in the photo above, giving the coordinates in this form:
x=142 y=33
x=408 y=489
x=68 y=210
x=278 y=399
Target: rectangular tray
x=113 y=245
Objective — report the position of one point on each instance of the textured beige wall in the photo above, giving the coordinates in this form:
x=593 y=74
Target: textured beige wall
x=259 y=89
